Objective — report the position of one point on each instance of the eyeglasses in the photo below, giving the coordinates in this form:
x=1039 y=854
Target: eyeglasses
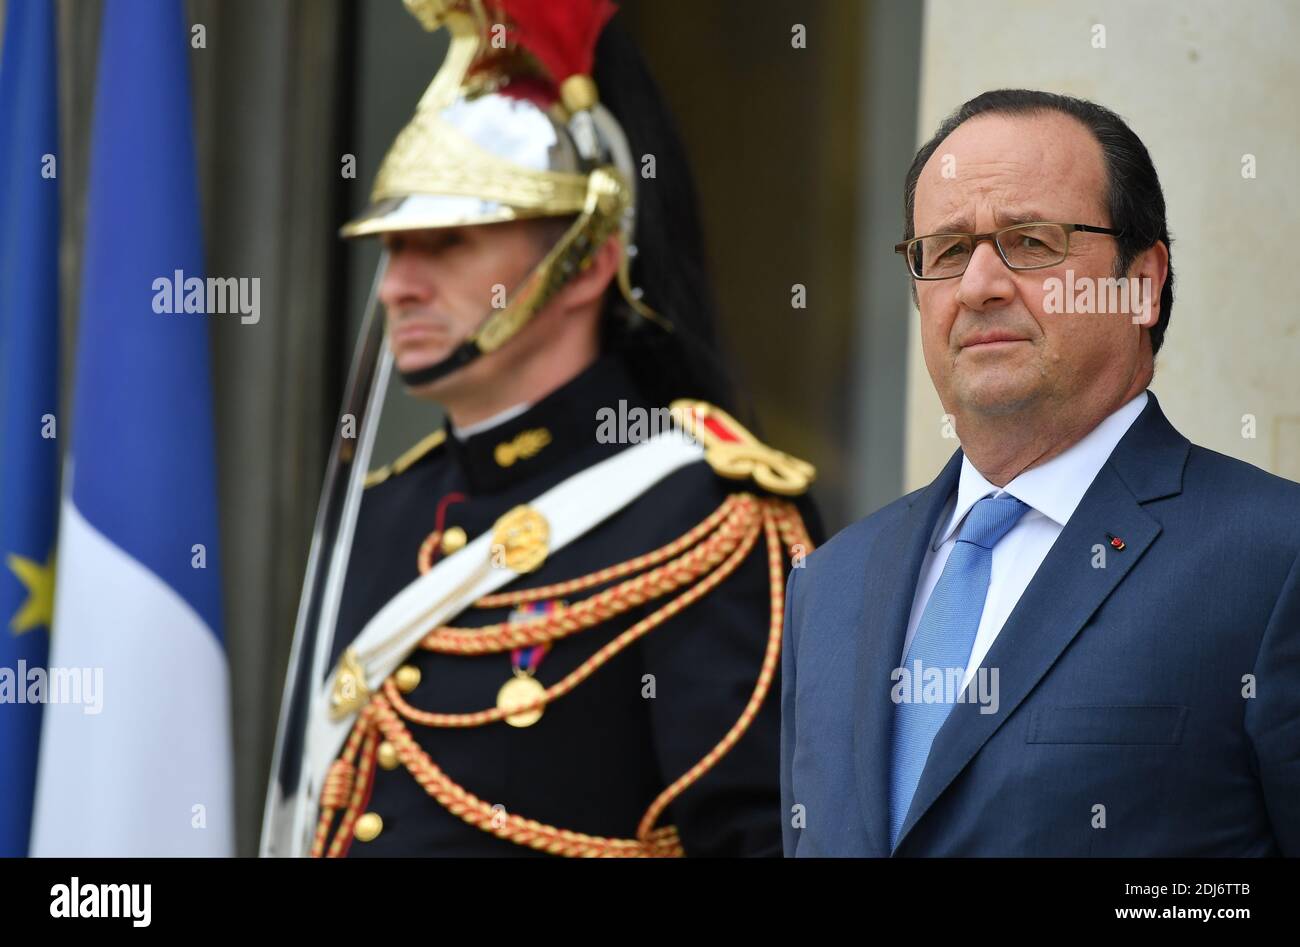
x=1021 y=246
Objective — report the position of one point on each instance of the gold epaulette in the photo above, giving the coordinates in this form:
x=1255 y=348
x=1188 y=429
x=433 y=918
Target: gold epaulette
x=380 y=474
x=733 y=452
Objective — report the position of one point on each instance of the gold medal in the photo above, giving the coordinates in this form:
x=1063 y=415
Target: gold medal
x=520 y=691
x=523 y=689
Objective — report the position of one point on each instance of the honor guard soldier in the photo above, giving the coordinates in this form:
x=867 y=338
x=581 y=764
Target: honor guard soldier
x=553 y=626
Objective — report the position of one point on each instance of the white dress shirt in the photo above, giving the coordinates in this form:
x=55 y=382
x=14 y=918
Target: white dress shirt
x=1052 y=491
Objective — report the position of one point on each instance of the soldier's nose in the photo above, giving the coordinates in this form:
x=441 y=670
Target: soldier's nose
x=403 y=285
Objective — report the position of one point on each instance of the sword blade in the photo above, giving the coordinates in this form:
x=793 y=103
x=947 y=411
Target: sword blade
x=289 y=800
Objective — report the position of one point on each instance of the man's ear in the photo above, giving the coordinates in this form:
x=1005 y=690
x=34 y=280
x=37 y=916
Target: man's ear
x=1151 y=268
x=589 y=285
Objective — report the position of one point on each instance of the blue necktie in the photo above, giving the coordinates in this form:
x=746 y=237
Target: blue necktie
x=943 y=641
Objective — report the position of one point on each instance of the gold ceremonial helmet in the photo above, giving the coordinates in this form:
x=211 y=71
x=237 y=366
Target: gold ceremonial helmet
x=512 y=128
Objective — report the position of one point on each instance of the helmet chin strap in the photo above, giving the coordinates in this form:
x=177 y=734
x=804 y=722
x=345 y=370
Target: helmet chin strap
x=465 y=353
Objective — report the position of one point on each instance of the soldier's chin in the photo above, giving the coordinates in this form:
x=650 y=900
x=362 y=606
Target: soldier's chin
x=409 y=359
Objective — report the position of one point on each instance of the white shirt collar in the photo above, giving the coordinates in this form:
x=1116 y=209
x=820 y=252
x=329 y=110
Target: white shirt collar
x=469 y=430
x=1054 y=488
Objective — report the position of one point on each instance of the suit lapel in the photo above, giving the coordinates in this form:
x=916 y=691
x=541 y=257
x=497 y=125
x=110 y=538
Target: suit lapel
x=892 y=569
x=1065 y=592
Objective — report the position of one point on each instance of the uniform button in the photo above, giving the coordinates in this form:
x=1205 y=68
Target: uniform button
x=368 y=827
x=408 y=678
x=388 y=755
x=453 y=540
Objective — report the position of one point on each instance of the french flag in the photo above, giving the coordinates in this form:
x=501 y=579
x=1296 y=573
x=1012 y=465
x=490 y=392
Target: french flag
x=146 y=768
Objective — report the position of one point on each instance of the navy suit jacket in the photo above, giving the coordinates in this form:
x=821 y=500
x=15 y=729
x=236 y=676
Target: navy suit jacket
x=1147 y=708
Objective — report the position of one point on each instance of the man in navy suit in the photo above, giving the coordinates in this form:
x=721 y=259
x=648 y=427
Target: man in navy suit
x=1083 y=638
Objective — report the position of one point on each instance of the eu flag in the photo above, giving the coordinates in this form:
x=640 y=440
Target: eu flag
x=29 y=393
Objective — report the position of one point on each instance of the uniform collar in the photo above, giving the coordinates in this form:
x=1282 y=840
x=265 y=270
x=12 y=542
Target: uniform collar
x=548 y=433
x=501 y=417
x=1053 y=489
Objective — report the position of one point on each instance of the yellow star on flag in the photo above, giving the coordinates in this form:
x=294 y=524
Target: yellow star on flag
x=38 y=610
